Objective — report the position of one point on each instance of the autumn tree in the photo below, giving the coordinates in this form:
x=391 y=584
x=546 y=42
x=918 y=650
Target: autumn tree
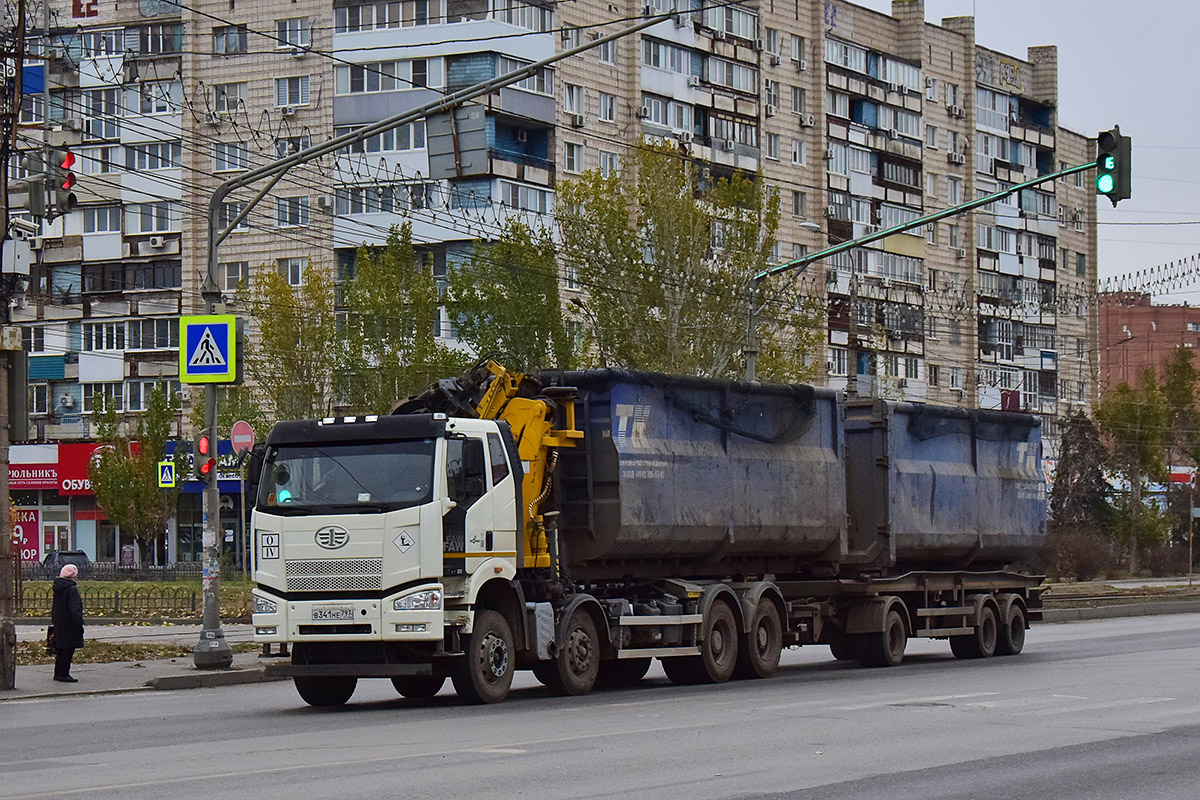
x=294 y=343
x=665 y=255
x=390 y=348
x=124 y=470
x=1135 y=425
x=505 y=298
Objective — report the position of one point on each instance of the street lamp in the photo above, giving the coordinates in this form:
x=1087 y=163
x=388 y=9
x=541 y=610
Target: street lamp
x=750 y=350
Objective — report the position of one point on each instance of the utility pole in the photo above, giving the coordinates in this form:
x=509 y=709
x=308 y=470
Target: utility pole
x=210 y=651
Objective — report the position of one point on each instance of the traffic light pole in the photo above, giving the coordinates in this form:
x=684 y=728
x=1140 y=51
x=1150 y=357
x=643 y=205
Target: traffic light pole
x=801 y=264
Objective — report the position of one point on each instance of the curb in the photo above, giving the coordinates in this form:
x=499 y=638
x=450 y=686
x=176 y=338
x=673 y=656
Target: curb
x=203 y=680
x=1052 y=615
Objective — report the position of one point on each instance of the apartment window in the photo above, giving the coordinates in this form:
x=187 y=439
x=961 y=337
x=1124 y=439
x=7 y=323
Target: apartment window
x=609 y=163
x=380 y=15
x=31 y=109
x=155 y=97
x=932 y=325
x=152 y=156
x=799 y=152
x=229 y=212
x=732 y=75
x=733 y=21
x=230 y=40
x=231 y=274
x=952 y=94
x=931 y=234
x=33 y=340
x=158 y=39
x=662 y=55
x=799 y=100
x=153 y=217
x=608 y=107
x=291 y=211
x=771 y=92
x=931 y=182
x=843 y=54
x=837 y=104
x=956 y=377
x=103 y=336
x=931 y=136
x=668 y=113
x=287 y=145
x=140 y=392
x=403 y=137
x=103 y=395
x=572 y=98
x=230 y=156
x=797 y=48
x=97 y=44
x=934 y=373
x=101 y=108
x=954 y=332
x=291 y=91
x=294 y=32
x=541 y=81
x=573 y=157
x=912 y=368
x=571 y=37
x=525 y=15
x=954 y=236
x=292 y=269
x=953 y=142
x=954 y=190
x=528 y=198
x=102 y=219
x=228 y=97
x=153 y=334
x=39 y=398
x=837 y=361
x=773 y=146
x=607 y=52
x=799 y=203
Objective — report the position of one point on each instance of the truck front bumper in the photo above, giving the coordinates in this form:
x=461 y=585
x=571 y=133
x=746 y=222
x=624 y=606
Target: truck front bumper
x=279 y=620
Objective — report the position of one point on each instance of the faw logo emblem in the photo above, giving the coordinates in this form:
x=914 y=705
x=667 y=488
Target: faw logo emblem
x=331 y=537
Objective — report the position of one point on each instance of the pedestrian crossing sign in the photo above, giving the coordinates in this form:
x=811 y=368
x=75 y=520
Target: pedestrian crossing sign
x=208 y=349
x=166 y=474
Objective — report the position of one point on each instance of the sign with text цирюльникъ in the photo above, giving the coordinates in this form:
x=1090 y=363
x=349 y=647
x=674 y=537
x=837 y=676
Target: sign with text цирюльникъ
x=208 y=349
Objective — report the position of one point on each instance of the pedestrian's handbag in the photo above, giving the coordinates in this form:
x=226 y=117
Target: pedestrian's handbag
x=50 y=648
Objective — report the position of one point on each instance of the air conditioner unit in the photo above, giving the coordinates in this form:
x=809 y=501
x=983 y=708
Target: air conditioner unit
x=902 y=383
x=774 y=59
x=72 y=124
x=298 y=52
x=956 y=158
x=800 y=63
x=212 y=118
x=831 y=211
x=718 y=34
x=895 y=87
x=961 y=393
x=808 y=120
x=892 y=133
x=760 y=45
x=693 y=80
x=727 y=145
x=956 y=111
x=770 y=109
x=685 y=137
x=680 y=21
x=325 y=201
x=961 y=253
x=157 y=242
x=287 y=111
x=576 y=120
x=828 y=153
x=521 y=136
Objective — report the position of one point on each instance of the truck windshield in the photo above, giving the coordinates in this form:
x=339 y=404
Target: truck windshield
x=378 y=476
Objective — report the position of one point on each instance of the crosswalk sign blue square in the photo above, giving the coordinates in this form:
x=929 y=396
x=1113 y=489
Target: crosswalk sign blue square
x=208 y=348
x=166 y=474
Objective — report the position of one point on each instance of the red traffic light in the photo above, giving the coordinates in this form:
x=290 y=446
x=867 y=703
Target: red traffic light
x=207 y=466
x=69 y=181
x=68 y=159
x=202 y=446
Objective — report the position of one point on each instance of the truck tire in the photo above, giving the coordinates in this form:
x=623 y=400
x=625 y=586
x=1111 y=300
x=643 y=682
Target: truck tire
x=982 y=642
x=719 y=650
x=325 y=691
x=623 y=672
x=1012 y=634
x=573 y=672
x=485 y=672
x=761 y=647
x=885 y=648
x=418 y=687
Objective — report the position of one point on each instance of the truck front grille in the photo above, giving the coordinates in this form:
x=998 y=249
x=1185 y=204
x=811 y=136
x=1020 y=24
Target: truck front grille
x=333 y=575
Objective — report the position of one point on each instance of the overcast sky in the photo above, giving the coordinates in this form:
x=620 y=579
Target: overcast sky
x=1150 y=91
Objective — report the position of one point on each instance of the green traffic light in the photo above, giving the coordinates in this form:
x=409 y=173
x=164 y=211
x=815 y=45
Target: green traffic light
x=1108 y=163
x=1105 y=184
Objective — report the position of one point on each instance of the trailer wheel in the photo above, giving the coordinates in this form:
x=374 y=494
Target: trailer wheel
x=575 y=669
x=885 y=648
x=325 y=691
x=623 y=672
x=485 y=673
x=719 y=650
x=1012 y=635
x=761 y=647
x=418 y=687
x=982 y=642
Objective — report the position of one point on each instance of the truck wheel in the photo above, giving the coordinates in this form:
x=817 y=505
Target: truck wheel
x=1012 y=635
x=574 y=670
x=418 y=687
x=719 y=650
x=981 y=643
x=325 y=691
x=761 y=647
x=843 y=649
x=624 y=672
x=485 y=673
x=885 y=648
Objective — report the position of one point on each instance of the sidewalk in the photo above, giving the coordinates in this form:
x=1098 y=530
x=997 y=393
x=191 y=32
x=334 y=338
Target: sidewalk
x=37 y=681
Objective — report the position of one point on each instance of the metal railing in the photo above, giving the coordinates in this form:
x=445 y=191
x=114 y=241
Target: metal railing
x=104 y=601
x=111 y=571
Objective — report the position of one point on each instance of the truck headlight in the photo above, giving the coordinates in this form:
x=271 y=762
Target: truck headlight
x=264 y=606
x=427 y=600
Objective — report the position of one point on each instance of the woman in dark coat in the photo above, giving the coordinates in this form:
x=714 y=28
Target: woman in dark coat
x=67 y=616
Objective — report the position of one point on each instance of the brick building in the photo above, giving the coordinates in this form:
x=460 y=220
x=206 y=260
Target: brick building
x=1137 y=335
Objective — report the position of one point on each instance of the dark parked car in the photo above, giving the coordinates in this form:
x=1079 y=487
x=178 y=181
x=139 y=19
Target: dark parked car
x=55 y=560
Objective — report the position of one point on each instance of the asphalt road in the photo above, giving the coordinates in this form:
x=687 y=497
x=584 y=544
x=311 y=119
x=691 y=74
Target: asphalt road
x=1091 y=711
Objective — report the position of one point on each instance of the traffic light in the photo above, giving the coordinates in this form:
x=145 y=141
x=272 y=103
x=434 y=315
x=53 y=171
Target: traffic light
x=31 y=193
x=1112 y=165
x=63 y=181
x=205 y=460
